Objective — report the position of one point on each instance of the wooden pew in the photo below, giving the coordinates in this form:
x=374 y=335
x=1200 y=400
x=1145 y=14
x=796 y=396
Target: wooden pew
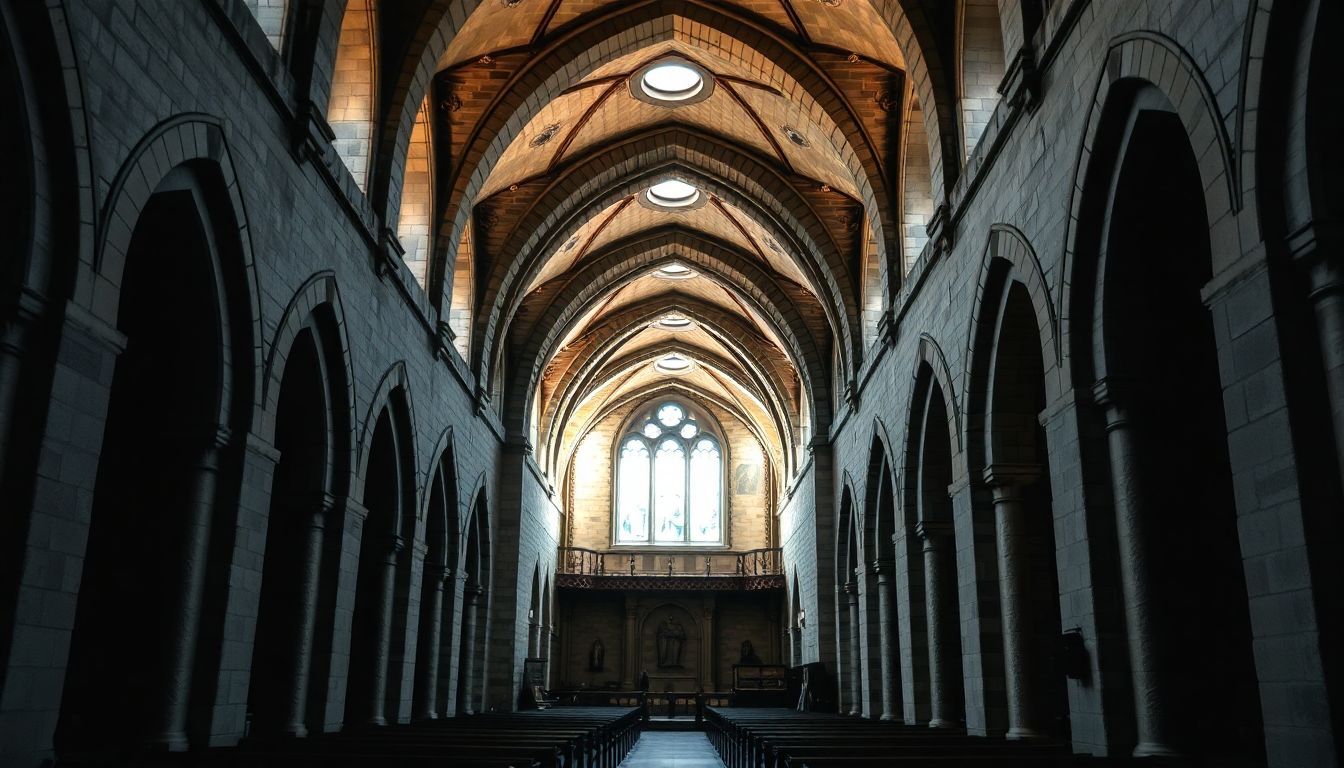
x=782 y=738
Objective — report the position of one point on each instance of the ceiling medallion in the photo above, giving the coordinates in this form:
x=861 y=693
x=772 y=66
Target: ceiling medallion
x=546 y=135
x=569 y=244
x=853 y=58
x=831 y=3
x=773 y=244
x=486 y=60
x=795 y=136
x=510 y=3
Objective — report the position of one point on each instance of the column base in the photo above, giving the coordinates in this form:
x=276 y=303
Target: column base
x=889 y=717
x=1023 y=734
x=173 y=741
x=1155 y=749
x=938 y=723
x=856 y=713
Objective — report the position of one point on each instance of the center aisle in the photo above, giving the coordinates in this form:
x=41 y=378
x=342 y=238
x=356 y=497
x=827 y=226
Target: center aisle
x=674 y=749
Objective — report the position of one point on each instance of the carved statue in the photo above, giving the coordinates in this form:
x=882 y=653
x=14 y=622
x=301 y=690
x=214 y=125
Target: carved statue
x=749 y=654
x=597 y=655
x=670 y=639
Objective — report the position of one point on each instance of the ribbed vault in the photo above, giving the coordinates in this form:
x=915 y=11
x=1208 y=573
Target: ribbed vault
x=568 y=288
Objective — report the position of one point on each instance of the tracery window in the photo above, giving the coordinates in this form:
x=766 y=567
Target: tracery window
x=669 y=480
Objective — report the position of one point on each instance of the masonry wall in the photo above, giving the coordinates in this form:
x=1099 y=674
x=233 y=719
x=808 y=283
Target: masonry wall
x=143 y=66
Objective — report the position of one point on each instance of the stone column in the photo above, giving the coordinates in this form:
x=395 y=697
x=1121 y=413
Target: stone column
x=1140 y=595
x=427 y=666
x=886 y=630
x=166 y=720
x=290 y=720
x=14 y=332
x=630 y=660
x=709 y=662
x=534 y=638
x=942 y=697
x=1319 y=249
x=382 y=642
x=855 y=650
x=471 y=599
x=1007 y=482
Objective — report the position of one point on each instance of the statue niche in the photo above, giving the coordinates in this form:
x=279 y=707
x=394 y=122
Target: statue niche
x=670 y=638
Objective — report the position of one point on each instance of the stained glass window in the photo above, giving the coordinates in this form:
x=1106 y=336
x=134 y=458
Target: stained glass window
x=669 y=484
x=633 y=515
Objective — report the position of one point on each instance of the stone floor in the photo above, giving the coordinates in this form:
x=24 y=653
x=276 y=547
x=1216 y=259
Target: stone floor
x=677 y=749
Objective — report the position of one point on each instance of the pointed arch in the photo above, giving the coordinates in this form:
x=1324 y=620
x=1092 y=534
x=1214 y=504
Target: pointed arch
x=187 y=144
x=416 y=213
x=1129 y=60
x=352 y=108
x=271 y=16
x=980 y=67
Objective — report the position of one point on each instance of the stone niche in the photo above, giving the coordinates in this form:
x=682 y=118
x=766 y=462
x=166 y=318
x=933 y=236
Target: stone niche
x=671 y=648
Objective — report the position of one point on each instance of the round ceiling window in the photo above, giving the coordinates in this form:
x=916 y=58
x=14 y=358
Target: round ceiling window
x=672 y=82
x=674 y=322
x=673 y=363
x=673 y=193
x=674 y=271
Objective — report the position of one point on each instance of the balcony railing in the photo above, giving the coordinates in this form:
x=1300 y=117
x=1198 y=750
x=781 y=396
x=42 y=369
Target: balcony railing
x=580 y=561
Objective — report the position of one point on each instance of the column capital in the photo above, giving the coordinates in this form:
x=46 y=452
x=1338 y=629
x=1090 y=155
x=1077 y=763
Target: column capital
x=933 y=532
x=1003 y=476
x=881 y=568
x=1115 y=394
x=887 y=328
x=389 y=254
x=1316 y=248
x=849 y=588
x=439 y=574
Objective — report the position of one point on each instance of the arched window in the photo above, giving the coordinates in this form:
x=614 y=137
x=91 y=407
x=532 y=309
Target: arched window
x=669 y=480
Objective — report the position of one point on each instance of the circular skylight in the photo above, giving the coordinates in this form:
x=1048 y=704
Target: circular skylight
x=672 y=81
x=673 y=363
x=673 y=193
x=674 y=271
x=674 y=322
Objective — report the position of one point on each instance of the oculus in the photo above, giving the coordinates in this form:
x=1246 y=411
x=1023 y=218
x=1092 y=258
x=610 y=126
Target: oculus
x=672 y=363
x=671 y=82
x=674 y=271
x=674 y=322
x=673 y=195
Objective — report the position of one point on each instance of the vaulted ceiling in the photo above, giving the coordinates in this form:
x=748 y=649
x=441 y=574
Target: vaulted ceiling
x=752 y=287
